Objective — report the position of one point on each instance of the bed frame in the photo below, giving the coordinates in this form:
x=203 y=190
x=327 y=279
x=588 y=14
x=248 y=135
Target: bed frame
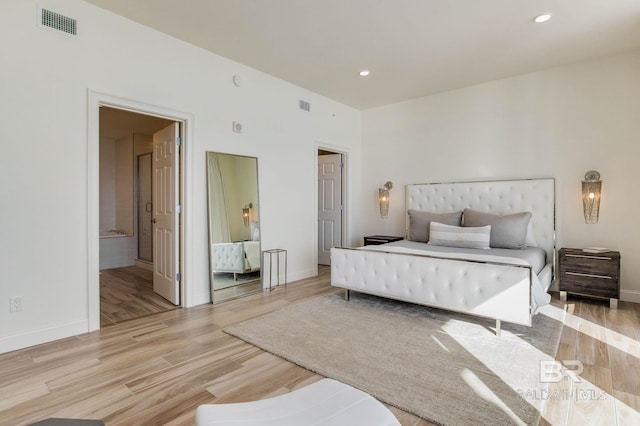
x=234 y=257
x=494 y=290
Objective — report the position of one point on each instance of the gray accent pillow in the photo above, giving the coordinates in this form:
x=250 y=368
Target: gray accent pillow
x=420 y=220
x=507 y=231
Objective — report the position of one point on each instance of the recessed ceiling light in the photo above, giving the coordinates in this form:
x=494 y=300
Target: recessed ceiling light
x=364 y=73
x=542 y=18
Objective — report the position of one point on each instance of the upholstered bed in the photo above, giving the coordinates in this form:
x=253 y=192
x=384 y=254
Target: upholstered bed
x=486 y=273
x=238 y=258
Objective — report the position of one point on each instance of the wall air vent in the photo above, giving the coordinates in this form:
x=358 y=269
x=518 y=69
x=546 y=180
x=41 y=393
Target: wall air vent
x=304 y=105
x=58 y=22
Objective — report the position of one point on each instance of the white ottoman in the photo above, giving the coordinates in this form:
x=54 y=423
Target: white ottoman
x=326 y=402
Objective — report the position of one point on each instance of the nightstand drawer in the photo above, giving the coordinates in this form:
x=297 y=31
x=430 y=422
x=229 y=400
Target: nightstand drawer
x=596 y=265
x=588 y=284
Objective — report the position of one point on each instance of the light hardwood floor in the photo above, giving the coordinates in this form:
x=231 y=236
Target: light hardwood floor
x=607 y=344
x=157 y=369
x=127 y=293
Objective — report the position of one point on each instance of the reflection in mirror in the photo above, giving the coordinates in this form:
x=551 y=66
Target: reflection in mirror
x=145 y=211
x=234 y=225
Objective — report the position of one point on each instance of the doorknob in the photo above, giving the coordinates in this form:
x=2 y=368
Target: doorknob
x=153 y=220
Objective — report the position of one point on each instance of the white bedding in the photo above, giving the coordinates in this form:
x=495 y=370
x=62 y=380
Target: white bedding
x=539 y=295
x=535 y=256
x=252 y=251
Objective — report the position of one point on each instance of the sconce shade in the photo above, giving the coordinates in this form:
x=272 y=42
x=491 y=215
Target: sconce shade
x=246 y=214
x=591 y=193
x=383 y=199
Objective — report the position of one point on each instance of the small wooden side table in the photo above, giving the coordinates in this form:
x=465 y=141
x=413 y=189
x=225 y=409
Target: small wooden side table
x=271 y=253
x=594 y=275
x=374 y=240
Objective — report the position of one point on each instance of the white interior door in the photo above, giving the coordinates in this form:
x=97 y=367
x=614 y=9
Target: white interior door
x=165 y=214
x=329 y=205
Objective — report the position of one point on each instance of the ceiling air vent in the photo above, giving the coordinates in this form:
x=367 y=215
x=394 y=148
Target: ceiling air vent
x=58 y=22
x=304 y=105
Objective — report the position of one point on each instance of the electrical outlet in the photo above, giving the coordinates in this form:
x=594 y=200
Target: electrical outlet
x=15 y=304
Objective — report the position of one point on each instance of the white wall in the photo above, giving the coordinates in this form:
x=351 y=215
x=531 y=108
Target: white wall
x=558 y=123
x=124 y=185
x=240 y=179
x=116 y=184
x=107 y=184
x=246 y=182
x=118 y=198
x=44 y=168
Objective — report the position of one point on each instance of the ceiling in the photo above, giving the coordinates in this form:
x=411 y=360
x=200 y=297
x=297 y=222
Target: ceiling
x=413 y=48
x=117 y=123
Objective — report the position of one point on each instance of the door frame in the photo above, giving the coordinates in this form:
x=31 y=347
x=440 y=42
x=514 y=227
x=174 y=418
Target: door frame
x=345 y=197
x=95 y=101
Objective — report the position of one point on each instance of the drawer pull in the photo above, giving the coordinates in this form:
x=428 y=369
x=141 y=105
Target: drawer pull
x=588 y=275
x=582 y=256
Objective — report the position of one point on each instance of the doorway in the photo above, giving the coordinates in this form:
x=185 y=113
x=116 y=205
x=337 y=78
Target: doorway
x=331 y=202
x=182 y=126
x=131 y=286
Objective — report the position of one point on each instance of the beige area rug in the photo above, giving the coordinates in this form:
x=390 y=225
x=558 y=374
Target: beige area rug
x=444 y=367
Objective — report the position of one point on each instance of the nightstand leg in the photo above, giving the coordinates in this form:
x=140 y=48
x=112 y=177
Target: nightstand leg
x=563 y=296
x=613 y=303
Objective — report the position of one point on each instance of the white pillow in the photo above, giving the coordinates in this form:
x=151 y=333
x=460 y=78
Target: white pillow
x=459 y=236
x=255 y=231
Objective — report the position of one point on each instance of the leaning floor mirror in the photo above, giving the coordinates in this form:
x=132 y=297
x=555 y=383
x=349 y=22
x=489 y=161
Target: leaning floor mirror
x=234 y=226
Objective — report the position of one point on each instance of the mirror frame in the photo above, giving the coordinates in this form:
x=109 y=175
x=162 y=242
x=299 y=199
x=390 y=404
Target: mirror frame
x=209 y=155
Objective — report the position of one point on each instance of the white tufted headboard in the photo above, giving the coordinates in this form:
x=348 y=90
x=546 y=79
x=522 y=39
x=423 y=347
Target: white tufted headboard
x=499 y=197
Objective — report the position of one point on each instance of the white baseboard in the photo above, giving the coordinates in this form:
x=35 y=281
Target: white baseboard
x=25 y=340
x=144 y=264
x=309 y=273
x=296 y=276
x=630 y=296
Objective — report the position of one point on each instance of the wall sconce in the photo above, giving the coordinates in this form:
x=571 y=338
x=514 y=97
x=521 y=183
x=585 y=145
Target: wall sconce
x=246 y=214
x=383 y=199
x=591 y=192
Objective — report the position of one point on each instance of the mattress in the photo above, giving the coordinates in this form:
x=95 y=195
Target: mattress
x=534 y=256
